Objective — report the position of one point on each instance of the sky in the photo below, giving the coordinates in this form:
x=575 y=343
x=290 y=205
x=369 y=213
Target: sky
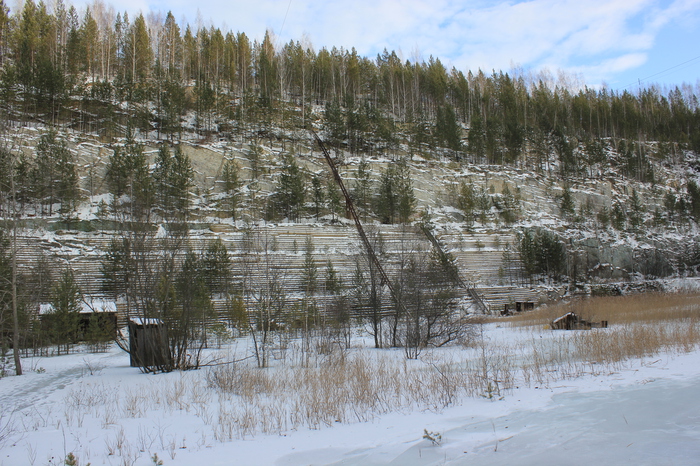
x=616 y=43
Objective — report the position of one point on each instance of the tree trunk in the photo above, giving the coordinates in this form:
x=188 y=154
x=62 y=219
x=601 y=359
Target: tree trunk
x=15 y=317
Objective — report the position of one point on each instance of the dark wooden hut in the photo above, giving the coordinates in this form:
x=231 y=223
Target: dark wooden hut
x=511 y=308
x=148 y=344
x=571 y=321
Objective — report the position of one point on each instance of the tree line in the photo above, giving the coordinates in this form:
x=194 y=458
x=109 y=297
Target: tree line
x=77 y=67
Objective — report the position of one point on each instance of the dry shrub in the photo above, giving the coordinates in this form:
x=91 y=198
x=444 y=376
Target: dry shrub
x=352 y=388
x=647 y=307
x=640 y=326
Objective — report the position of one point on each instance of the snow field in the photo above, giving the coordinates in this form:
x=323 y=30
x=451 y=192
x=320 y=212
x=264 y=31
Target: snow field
x=105 y=412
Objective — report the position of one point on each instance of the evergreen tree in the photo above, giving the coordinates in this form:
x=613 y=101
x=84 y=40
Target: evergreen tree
x=447 y=130
x=162 y=177
x=332 y=281
x=254 y=155
x=542 y=253
x=566 y=203
x=174 y=177
x=5 y=282
x=395 y=199
x=138 y=53
x=232 y=186
x=476 y=139
x=618 y=217
x=636 y=211
x=317 y=194
x=406 y=197
x=694 y=198
x=309 y=269
x=334 y=197
x=66 y=298
x=54 y=176
x=387 y=196
x=291 y=189
x=190 y=310
x=127 y=175
x=467 y=201
x=509 y=205
x=118 y=268
x=216 y=265
x=334 y=123
x=361 y=189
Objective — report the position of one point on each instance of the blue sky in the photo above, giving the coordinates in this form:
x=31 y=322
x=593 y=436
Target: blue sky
x=611 y=42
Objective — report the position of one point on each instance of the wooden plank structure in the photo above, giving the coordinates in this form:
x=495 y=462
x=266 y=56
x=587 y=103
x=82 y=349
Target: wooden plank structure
x=519 y=306
x=571 y=321
x=148 y=344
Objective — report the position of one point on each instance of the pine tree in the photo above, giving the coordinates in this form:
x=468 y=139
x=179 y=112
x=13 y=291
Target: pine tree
x=267 y=72
x=566 y=203
x=387 y=196
x=66 y=298
x=332 y=281
x=395 y=198
x=89 y=39
x=232 y=186
x=636 y=211
x=5 y=280
x=618 y=217
x=467 y=201
x=334 y=197
x=162 y=177
x=118 y=268
x=510 y=205
x=291 y=189
x=216 y=265
x=361 y=189
x=542 y=253
x=309 y=269
x=254 y=156
x=406 y=197
x=54 y=176
x=317 y=194
x=174 y=177
x=476 y=139
x=447 y=130
x=138 y=52
x=694 y=198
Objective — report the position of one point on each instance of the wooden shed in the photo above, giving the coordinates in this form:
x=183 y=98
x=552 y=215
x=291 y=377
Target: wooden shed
x=571 y=321
x=99 y=313
x=511 y=308
x=148 y=343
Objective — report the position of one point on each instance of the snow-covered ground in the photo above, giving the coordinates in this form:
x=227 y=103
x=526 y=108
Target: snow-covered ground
x=95 y=406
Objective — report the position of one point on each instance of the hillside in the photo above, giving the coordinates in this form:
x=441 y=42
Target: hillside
x=170 y=168
x=485 y=246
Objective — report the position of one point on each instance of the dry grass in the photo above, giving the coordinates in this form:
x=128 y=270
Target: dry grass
x=640 y=326
x=648 y=307
x=319 y=389
x=340 y=389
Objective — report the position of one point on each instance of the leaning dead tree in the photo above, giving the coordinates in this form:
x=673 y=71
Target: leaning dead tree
x=453 y=272
x=361 y=231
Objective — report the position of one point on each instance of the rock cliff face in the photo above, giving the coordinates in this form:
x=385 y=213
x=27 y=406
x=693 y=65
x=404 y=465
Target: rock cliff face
x=483 y=242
